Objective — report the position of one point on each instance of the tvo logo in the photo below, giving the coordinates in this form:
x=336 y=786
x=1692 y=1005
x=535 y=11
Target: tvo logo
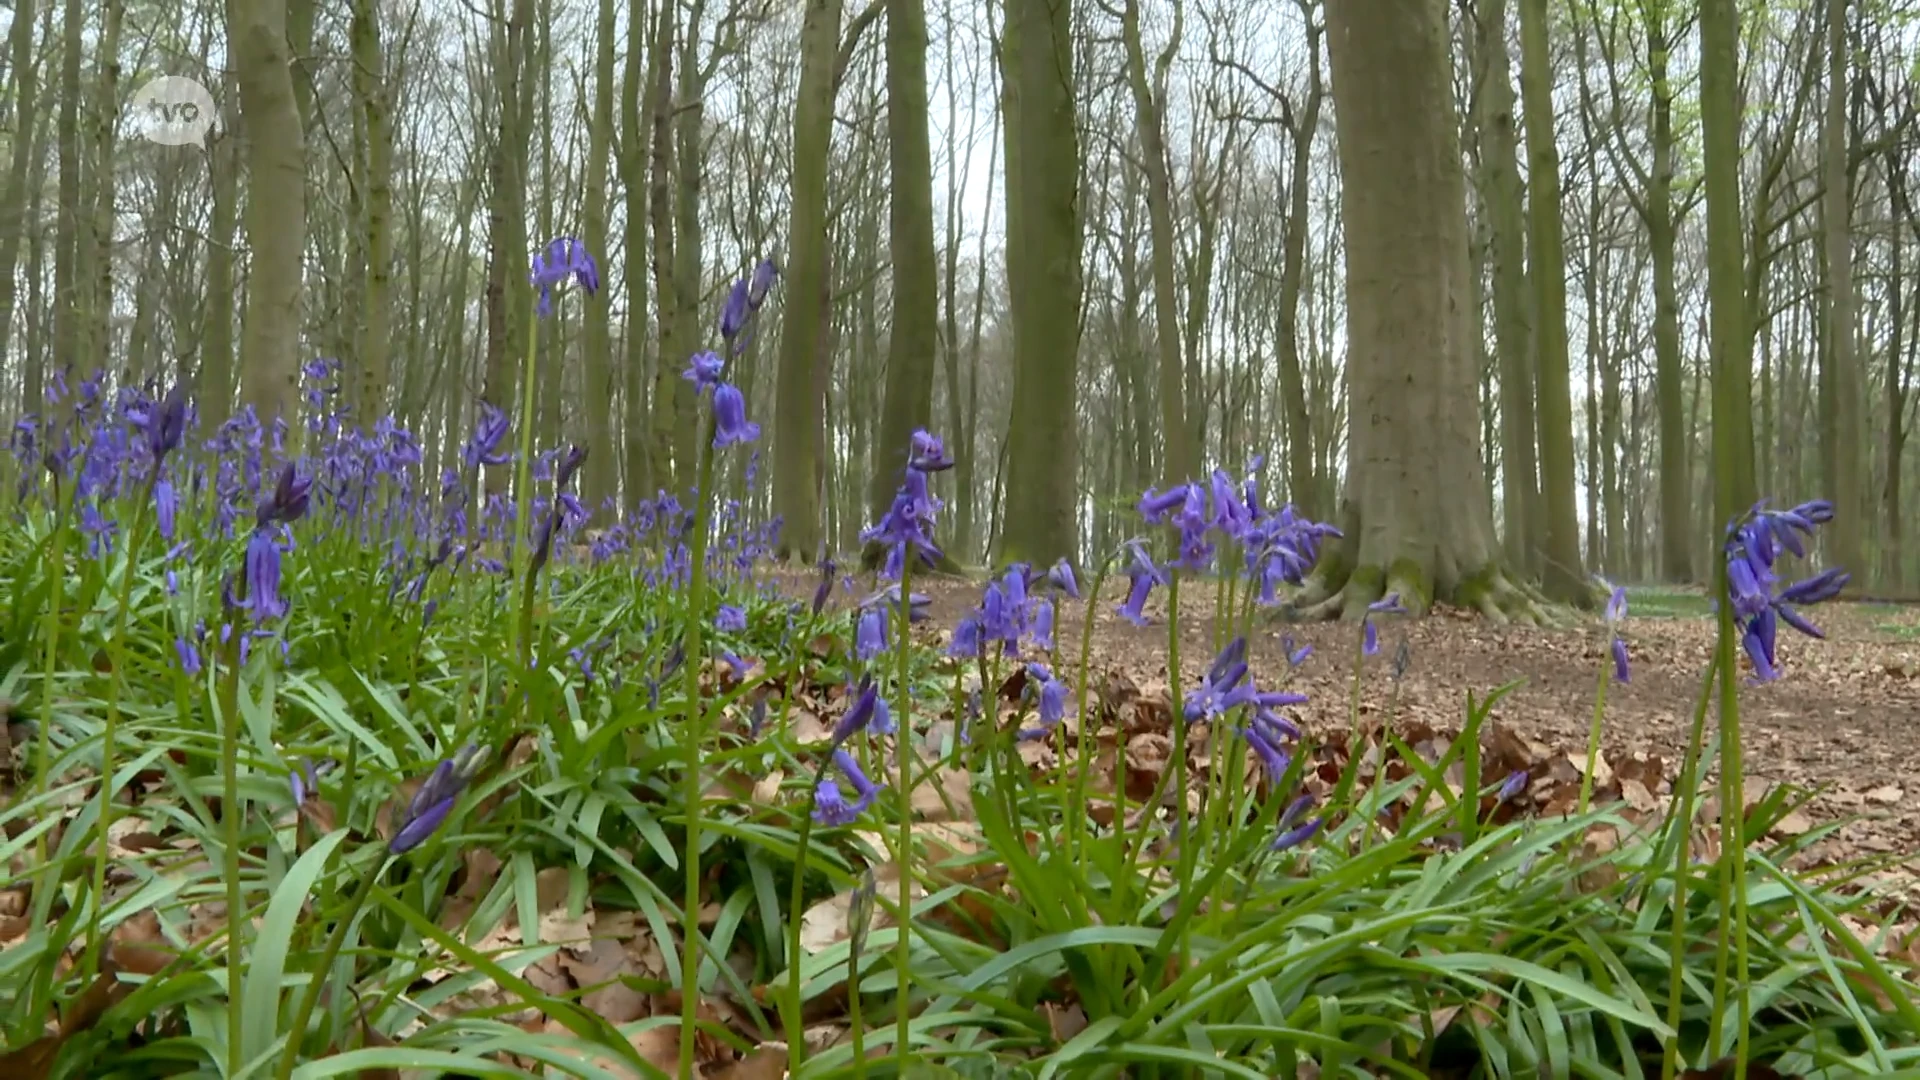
x=173 y=110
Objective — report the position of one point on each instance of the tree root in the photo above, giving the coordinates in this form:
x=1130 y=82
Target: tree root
x=1497 y=597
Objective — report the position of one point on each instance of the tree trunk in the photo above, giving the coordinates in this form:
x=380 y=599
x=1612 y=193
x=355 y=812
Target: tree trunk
x=68 y=312
x=1177 y=463
x=1043 y=275
x=1731 y=334
x=1561 y=573
x=603 y=468
x=1304 y=482
x=1416 y=520
x=914 y=327
x=370 y=94
x=1676 y=438
x=276 y=206
x=13 y=204
x=635 y=126
x=1840 y=404
x=797 y=411
x=215 y=376
x=1513 y=332
x=106 y=115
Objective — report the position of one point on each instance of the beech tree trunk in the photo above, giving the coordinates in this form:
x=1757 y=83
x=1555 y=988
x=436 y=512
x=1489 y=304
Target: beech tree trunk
x=1044 y=231
x=798 y=416
x=276 y=219
x=1416 y=518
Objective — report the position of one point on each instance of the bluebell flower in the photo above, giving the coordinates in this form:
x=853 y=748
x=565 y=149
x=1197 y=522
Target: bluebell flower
x=730 y=417
x=435 y=799
x=734 y=313
x=1753 y=543
x=824 y=589
x=166 y=506
x=968 y=640
x=866 y=701
x=565 y=258
x=1060 y=576
x=189 y=655
x=730 y=619
x=1292 y=831
x=165 y=423
x=1295 y=655
x=1387 y=605
x=488 y=433
x=1142 y=576
x=929 y=453
x=1511 y=787
x=1225 y=686
x=704 y=371
x=1041 y=628
x=1050 y=701
x=263 y=577
x=1615 y=613
x=761 y=283
x=830 y=808
x=291 y=496
x=870 y=634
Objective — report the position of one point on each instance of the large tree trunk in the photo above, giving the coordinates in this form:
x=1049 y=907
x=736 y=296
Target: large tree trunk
x=215 y=373
x=69 y=324
x=1731 y=333
x=635 y=126
x=276 y=206
x=1561 y=570
x=376 y=330
x=1148 y=97
x=106 y=116
x=1416 y=518
x=1512 y=329
x=1676 y=438
x=603 y=468
x=1304 y=482
x=1043 y=275
x=798 y=410
x=914 y=329
x=1840 y=404
x=13 y=203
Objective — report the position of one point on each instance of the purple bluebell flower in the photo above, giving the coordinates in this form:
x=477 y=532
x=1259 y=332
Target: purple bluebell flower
x=1295 y=656
x=166 y=423
x=1050 y=701
x=830 y=808
x=734 y=313
x=1292 y=832
x=1511 y=787
x=189 y=655
x=824 y=589
x=929 y=453
x=968 y=640
x=870 y=633
x=761 y=283
x=1753 y=543
x=263 y=577
x=488 y=433
x=1615 y=614
x=1142 y=576
x=866 y=700
x=291 y=496
x=1387 y=605
x=166 y=506
x=565 y=258
x=730 y=619
x=1225 y=686
x=1060 y=576
x=704 y=371
x=435 y=800
x=730 y=423
x=1041 y=626
x=302 y=782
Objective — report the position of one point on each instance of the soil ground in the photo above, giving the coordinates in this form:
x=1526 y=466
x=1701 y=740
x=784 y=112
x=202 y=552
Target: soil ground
x=1843 y=718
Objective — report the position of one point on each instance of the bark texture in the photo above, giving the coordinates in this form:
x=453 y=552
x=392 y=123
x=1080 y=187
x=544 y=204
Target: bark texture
x=1417 y=520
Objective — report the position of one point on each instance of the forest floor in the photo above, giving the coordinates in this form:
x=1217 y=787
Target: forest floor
x=1842 y=720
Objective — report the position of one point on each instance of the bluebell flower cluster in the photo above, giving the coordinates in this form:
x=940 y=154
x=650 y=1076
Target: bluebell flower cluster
x=1013 y=611
x=1277 y=546
x=1754 y=542
x=565 y=259
x=906 y=530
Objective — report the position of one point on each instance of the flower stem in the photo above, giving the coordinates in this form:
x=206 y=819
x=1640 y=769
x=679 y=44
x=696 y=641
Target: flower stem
x=1680 y=828
x=1733 y=848
x=694 y=736
x=110 y=728
x=523 y=515
x=230 y=845
x=296 y=1034
x=903 y=747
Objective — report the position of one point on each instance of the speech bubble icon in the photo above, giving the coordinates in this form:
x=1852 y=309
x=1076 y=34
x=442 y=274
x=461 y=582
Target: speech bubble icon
x=173 y=110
